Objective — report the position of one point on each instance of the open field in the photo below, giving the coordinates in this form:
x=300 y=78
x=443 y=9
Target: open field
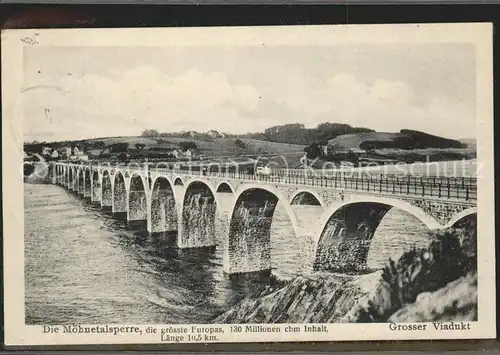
x=244 y=150
x=213 y=147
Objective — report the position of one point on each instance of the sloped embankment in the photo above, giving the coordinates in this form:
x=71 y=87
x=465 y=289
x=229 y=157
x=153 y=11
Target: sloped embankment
x=434 y=283
x=313 y=299
x=456 y=301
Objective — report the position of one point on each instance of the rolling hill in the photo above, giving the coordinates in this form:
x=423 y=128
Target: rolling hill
x=405 y=139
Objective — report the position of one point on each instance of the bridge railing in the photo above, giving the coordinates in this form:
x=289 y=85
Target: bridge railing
x=460 y=188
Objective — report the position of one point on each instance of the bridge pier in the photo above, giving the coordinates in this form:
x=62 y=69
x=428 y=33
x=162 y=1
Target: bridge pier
x=137 y=200
x=197 y=225
x=96 y=187
x=81 y=182
x=163 y=208
x=308 y=223
x=87 y=192
x=71 y=179
x=248 y=241
x=107 y=190
x=53 y=168
x=120 y=200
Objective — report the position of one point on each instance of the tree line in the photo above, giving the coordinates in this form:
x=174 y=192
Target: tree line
x=294 y=133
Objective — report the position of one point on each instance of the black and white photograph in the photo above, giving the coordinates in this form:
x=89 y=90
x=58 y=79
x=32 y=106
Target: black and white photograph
x=266 y=183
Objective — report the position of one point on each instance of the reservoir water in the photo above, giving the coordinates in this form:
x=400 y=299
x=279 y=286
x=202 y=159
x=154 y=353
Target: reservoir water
x=85 y=266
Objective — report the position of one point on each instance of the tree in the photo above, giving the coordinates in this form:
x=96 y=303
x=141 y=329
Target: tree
x=150 y=133
x=98 y=144
x=239 y=143
x=185 y=145
x=313 y=150
x=122 y=157
x=118 y=148
x=352 y=157
x=369 y=146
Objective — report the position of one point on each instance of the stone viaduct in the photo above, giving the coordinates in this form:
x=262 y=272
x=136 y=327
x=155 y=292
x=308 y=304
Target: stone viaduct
x=334 y=215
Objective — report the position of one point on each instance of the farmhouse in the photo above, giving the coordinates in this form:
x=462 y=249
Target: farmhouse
x=215 y=134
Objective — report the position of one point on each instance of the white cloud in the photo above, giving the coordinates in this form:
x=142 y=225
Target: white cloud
x=382 y=105
x=128 y=102
x=125 y=103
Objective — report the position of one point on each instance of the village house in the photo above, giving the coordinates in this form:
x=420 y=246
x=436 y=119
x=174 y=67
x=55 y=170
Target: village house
x=190 y=134
x=78 y=154
x=188 y=154
x=46 y=151
x=55 y=154
x=215 y=134
x=64 y=152
x=175 y=153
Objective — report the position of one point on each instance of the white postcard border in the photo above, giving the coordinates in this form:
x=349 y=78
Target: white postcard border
x=13 y=42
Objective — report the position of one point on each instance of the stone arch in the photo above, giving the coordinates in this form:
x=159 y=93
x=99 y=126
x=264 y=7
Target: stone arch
x=249 y=237
x=57 y=173
x=150 y=180
x=163 y=207
x=198 y=216
x=107 y=189
x=137 y=199
x=81 y=181
x=65 y=176
x=75 y=180
x=348 y=228
x=465 y=223
x=71 y=178
x=96 y=186
x=469 y=212
x=87 y=183
x=224 y=187
x=178 y=182
x=50 y=171
x=119 y=193
x=306 y=197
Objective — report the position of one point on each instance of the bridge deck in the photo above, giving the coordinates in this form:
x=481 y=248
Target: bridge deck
x=434 y=187
x=461 y=189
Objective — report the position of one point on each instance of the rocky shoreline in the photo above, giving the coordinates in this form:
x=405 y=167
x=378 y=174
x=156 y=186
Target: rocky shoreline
x=430 y=284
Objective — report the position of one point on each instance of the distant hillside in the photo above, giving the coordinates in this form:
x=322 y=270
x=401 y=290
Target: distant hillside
x=470 y=143
x=284 y=141
x=405 y=139
x=293 y=133
x=149 y=147
x=217 y=146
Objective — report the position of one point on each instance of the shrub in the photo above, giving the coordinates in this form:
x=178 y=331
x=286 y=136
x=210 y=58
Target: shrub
x=185 y=145
x=417 y=271
x=139 y=146
x=239 y=143
x=150 y=133
x=313 y=150
x=119 y=148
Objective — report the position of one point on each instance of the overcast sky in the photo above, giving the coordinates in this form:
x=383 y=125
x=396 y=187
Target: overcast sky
x=83 y=92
